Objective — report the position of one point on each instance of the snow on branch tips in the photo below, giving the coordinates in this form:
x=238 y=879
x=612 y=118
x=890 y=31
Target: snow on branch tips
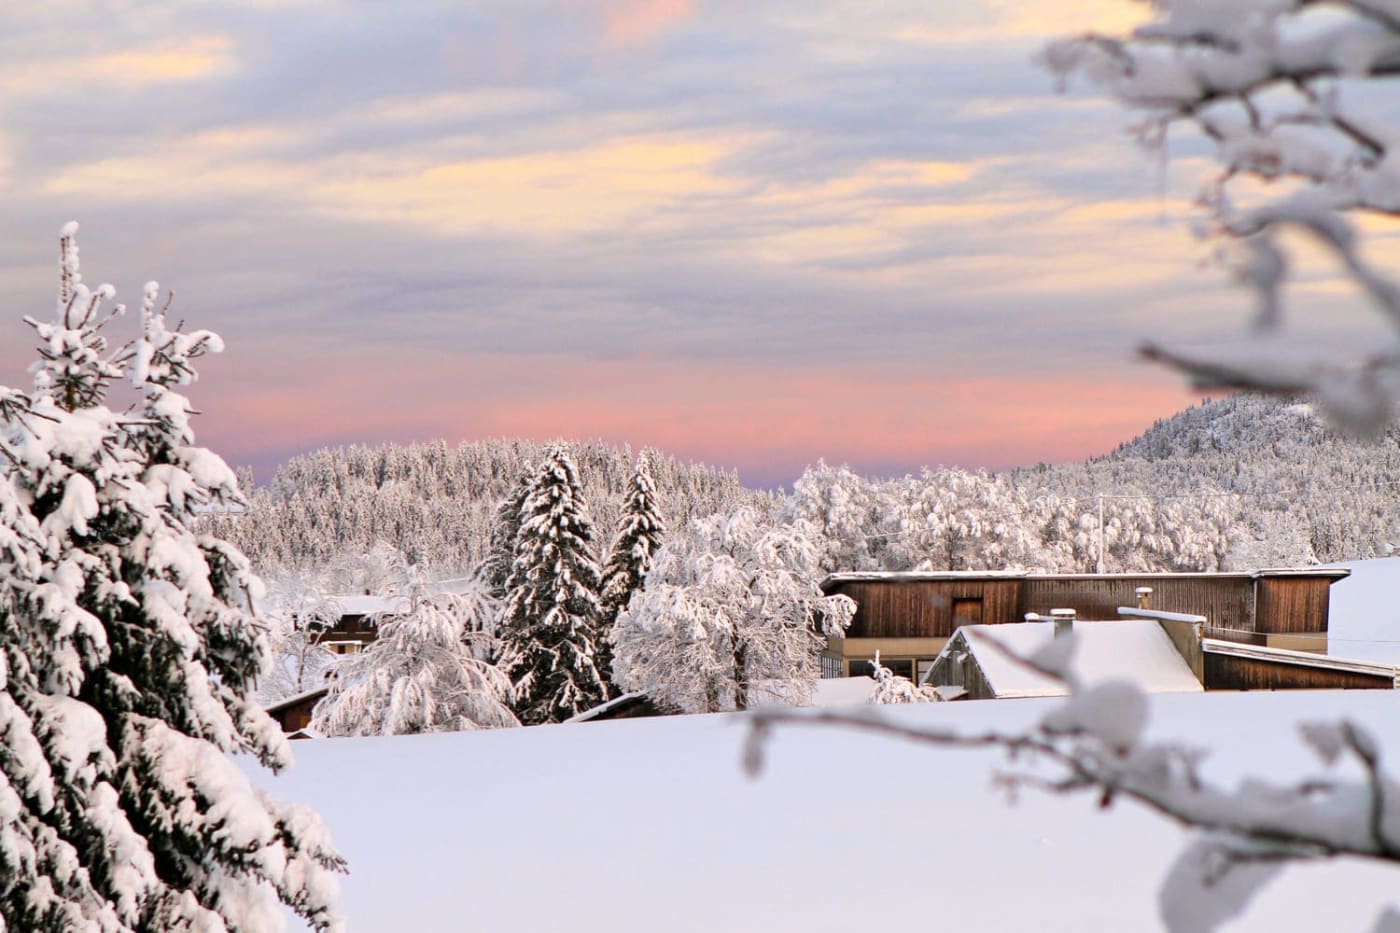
x=129 y=654
x=1094 y=744
x=1297 y=99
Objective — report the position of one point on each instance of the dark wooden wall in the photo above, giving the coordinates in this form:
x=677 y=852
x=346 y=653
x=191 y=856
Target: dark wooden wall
x=1291 y=605
x=1225 y=601
x=351 y=628
x=1226 y=672
x=923 y=608
x=297 y=715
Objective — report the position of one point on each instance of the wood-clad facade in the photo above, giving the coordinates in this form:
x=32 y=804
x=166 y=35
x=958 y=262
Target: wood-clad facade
x=908 y=617
x=294 y=713
x=930 y=608
x=1232 y=666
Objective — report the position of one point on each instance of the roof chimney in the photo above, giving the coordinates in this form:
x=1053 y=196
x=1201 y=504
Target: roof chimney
x=1064 y=621
x=1144 y=595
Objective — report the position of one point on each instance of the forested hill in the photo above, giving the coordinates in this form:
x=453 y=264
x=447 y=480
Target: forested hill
x=1249 y=424
x=434 y=502
x=1284 y=472
x=1240 y=482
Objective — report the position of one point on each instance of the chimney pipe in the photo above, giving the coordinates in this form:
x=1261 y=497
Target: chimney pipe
x=1144 y=595
x=1064 y=621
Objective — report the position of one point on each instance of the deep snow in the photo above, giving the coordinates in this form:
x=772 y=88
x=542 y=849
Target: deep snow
x=648 y=825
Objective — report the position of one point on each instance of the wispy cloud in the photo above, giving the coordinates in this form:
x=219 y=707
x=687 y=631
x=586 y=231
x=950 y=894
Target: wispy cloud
x=712 y=224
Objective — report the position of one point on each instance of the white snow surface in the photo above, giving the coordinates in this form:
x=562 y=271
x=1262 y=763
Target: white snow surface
x=1364 y=612
x=1137 y=651
x=842 y=831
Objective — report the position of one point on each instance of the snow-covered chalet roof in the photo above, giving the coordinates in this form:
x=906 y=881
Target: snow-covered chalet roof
x=366 y=605
x=913 y=576
x=1134 y=650
x=285 y=702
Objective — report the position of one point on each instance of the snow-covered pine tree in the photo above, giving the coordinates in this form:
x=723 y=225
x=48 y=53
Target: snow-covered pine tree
x=635 y=546
x=146 y=651
x=549 y=627
x=505 y=529
x=426 y=672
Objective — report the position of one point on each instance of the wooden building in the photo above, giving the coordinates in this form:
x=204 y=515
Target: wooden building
x=979 y=659
x=908 y=617
x=357 y=621
x=294 y=713
x=1162 y=652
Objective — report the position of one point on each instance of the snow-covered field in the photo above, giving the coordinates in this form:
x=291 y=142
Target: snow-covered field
x=650 y=825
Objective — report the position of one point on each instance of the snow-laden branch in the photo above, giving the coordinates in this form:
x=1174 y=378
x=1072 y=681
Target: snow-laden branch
x=1287 y=92
x=1093 y=744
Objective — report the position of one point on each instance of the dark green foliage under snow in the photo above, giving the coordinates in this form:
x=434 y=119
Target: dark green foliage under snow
x=636 y=544
x=128 y=655
x=549 y=628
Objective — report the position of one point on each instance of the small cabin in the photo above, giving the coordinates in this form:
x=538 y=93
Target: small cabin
x=357 y=621
x=909 y=617
x=294 y=713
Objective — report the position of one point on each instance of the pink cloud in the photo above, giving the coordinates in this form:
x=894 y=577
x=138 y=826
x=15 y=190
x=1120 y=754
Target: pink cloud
x=767 y=419
x=631 y=21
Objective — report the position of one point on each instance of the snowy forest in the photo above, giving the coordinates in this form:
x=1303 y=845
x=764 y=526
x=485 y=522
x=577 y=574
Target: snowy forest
x=1238 y=483
x=640 y=570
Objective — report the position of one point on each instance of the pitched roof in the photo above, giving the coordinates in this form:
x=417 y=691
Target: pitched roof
x=1134 y=650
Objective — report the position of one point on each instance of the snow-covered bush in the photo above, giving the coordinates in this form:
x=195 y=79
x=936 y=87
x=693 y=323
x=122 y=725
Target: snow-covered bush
x=731 y=613
x=426 y=672
x=131 y=651
x=892 y=688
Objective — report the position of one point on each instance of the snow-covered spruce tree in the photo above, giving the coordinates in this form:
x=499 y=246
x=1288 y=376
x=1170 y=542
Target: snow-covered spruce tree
x=731 y=615
x=426 y=672
x=549 y=625
x=143 y=650
x=505 y=531
x=635 y=547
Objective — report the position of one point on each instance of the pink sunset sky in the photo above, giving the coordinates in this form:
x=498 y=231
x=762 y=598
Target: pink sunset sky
x=749 y=233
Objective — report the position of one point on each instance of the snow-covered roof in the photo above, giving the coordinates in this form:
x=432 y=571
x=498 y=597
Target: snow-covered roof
x=1131 y=612
x=366 y=605
x=612 y=704
x=909 y=576
x=919 y=576
x=1299 y=658
x=1133 y=650
x=285 y=702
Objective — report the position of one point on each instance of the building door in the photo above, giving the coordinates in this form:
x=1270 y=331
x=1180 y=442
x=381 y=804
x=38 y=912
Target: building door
x=967 y=612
